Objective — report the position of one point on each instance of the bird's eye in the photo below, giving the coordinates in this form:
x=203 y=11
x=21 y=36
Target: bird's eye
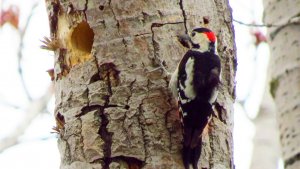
x=193 y=34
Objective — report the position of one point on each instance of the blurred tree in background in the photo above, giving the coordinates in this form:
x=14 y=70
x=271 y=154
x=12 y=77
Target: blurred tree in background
x=284 y=33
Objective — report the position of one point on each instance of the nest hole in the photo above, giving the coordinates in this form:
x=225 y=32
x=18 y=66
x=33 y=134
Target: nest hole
x=82 y=37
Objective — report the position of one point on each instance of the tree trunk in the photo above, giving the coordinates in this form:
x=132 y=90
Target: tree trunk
x=266 y=151
x=285 y=73
x=111 y=110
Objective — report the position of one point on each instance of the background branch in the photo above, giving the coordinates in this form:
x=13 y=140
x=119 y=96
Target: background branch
x=34 y=109
x=22 y=33
x=294 y=20
x=255 y=25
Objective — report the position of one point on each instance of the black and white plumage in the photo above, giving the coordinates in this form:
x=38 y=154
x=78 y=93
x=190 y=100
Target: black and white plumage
x=195 y=85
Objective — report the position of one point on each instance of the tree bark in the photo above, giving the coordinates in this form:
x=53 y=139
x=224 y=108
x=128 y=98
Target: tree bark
x=284 y=84
x=111 y=110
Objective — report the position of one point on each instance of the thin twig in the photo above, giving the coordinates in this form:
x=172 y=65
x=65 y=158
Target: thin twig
x=34 y=109
x=255 y=25
x=52 y=136
x=20 y=49
x=293 y=20
x=7 y=104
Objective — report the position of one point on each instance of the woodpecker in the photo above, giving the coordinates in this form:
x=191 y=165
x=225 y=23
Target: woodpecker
x=195 y=84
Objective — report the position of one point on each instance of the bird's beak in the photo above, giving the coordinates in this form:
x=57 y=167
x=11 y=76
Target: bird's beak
x=185 y=40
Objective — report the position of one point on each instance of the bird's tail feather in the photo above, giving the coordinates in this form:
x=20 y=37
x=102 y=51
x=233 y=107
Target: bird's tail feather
x=186 y=156
x=192 y=145
x=191 y=155
x=196 y=137
x=196 y=154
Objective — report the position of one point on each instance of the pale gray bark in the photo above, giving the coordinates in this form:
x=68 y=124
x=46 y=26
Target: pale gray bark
x=266 y=151
x=114 y=113
x=285 y=76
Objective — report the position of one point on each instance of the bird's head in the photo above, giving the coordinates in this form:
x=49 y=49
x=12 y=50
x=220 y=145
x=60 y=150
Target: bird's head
x=200 y=39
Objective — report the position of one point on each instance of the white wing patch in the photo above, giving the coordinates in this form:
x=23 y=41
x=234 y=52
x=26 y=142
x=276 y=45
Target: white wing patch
x=173 y=83
x=189 y=90
x=214 y=96
x=215 y=92
x=183 y=101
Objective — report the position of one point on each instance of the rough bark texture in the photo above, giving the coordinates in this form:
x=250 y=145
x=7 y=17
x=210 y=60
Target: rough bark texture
x=113 y=112
x=284 y=86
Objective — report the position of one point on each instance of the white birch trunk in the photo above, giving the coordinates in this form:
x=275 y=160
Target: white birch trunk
x=285 y=75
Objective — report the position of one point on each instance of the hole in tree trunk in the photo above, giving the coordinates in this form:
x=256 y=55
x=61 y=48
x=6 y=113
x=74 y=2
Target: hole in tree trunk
x=82 y=37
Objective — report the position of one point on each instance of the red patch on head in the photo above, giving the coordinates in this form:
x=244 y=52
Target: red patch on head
x=211 y=36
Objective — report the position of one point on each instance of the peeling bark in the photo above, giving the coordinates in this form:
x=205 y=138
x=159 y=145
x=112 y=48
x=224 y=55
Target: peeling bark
x=117 y=113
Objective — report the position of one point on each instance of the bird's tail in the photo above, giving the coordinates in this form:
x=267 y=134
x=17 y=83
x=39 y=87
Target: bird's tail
x=193 y=126
x=192 y=145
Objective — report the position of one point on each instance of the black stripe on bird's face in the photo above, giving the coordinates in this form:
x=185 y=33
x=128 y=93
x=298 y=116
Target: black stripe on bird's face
x=195 y=46
x=201 y=30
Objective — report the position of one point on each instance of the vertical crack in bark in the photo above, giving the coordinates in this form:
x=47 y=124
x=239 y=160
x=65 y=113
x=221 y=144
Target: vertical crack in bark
x=231 y=164
x=85 y=5
x=219 y=113
x=142 y=123
x=106 y=137
x=109 y=86
x=115 y=17
x=53 y=14
x=130 y=89
x=154 y=43
x=125 y=45
x=127 y=107
x=103 y=131
x=142 y=127
x=184 y=15
x=85 y=8
x=88 y=98
x=156 y=58
x=81 y=140
x=167 y=115
x=211 y=145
